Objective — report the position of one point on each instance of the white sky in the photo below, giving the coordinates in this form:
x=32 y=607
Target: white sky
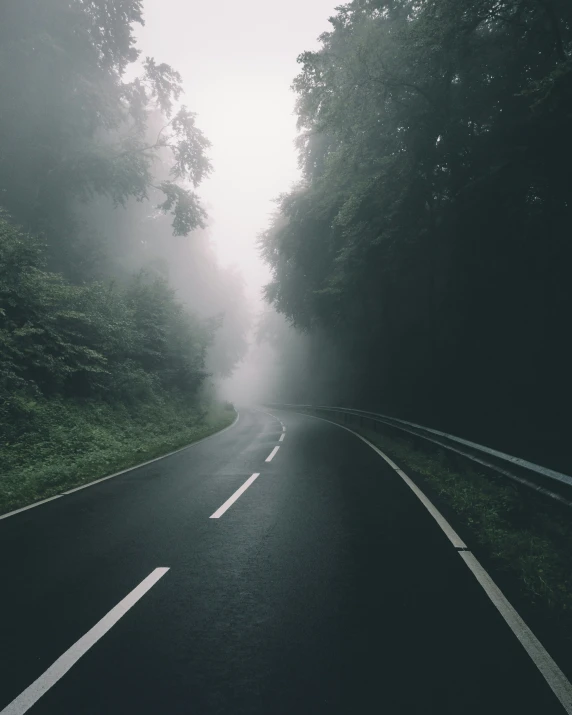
x=238 y=60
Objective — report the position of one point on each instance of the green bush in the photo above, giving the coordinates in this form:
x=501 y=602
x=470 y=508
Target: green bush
x=93 y=377
x=69 y=442
x=90 y=339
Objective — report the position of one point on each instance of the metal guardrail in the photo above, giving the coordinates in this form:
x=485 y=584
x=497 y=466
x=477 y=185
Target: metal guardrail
x=548 y=482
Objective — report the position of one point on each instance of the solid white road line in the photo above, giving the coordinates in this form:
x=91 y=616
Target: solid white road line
x=30 y=506
x=271 y=455
x=554 y=677
x=50 y=677
x=451 y=534
x=229 y=502
x=123 y=471
x=282 y=437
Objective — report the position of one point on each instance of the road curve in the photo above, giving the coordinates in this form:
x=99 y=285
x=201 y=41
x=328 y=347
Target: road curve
x=323 y=587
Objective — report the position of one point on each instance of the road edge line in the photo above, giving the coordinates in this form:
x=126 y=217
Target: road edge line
x=554 y=677
x=123 y=471
x=546 y=665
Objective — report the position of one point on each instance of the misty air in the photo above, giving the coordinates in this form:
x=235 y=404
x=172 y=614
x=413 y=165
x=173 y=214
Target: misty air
x=285 y=357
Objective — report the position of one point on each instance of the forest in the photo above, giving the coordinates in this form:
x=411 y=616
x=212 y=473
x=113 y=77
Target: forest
x=243 y=247
x=425 y=253
x=418 y=267
x=115 y=316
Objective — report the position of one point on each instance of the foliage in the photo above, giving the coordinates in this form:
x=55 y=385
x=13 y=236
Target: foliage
x=521 y=535
x=429 y=236
x=102 y=361
x=114 y=343
x=73 y=127
x=525 y=538
x=213 y=292
x=69 y=442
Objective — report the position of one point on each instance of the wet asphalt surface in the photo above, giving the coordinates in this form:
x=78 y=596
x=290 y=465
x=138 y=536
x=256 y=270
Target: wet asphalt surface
x=325 y=588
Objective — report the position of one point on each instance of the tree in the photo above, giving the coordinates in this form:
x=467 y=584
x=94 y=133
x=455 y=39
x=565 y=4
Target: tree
x=73 y=127
x=428 y=236
x=91 y=340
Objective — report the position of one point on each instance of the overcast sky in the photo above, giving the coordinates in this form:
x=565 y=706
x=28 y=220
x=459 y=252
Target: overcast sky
x=238 y=60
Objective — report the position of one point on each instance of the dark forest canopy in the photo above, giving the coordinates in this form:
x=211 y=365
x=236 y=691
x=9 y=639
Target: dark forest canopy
x=430 y=236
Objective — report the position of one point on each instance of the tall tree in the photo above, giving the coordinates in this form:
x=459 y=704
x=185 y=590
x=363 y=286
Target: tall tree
x=72 y=126
x=429 y=234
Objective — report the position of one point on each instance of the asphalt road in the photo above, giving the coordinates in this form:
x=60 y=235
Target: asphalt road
x=326 y=587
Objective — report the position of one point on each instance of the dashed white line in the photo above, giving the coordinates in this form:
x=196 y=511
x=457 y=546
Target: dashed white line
x=263 y=412
x=282 y=437
x=230 y=501
x=271 y=455
x=50 y=677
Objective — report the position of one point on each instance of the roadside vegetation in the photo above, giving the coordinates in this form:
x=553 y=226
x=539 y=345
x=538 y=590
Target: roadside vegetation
x=93 y=378
x=73 y=443
x=521 y=534
x=420 y=267
x=115 y=317
x=426 y=250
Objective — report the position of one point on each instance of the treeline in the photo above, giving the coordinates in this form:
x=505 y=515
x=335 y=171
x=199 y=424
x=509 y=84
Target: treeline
x=104 y=321
x=429 y=241
x=121 y=343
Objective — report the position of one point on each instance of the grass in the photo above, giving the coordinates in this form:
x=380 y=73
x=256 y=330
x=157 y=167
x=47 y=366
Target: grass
x=68 y=444
x=521 y=534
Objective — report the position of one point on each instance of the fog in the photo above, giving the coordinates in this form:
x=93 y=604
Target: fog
x=146 y=144
x=155 y=152
x=238 y=61
x=363 y=209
